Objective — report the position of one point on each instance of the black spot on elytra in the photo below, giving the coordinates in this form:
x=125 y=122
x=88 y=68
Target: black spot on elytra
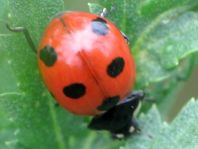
x=75 y=90
x=48 y=55
x=108 y=103
x=115 y=67
x=99 y=26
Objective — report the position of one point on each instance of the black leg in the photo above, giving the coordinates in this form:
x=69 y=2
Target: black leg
x=26 y=34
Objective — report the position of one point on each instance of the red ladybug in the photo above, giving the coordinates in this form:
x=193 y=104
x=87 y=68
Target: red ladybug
x=87 y=66
x=86 y=63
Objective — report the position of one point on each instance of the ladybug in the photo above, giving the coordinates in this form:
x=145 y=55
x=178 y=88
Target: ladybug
x=86 y=64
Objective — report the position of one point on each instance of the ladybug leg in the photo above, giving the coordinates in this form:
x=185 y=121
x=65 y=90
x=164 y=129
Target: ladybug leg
x=26 y=34
x=125 y=37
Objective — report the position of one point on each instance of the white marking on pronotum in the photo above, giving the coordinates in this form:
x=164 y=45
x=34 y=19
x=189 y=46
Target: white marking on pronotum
x=131 y=129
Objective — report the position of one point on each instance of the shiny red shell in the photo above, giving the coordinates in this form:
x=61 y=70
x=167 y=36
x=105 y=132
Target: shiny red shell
x=85 y=63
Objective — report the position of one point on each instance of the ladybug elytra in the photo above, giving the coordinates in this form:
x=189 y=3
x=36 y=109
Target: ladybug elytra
x=85 y=63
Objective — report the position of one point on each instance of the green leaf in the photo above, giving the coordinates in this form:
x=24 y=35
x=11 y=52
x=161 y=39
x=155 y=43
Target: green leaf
x=180 y=133
x=171 y=40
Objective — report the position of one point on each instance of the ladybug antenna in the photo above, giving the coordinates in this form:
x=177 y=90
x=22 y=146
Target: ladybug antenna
x=26 y=34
